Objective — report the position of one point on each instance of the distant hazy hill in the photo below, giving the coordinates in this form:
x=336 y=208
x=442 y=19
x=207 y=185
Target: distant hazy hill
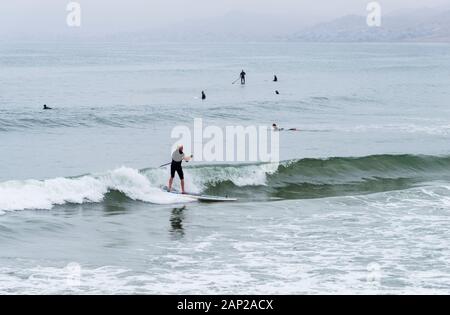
x=411 y=25
x=431 y=25
x=235 y=25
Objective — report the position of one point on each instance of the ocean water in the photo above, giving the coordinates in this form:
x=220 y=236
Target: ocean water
x=360 y=202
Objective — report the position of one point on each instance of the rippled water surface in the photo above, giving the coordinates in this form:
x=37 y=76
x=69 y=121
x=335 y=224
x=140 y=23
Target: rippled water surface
x=359 y=204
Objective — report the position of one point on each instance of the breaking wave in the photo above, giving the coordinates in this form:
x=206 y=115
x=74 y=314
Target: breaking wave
x=295 y=179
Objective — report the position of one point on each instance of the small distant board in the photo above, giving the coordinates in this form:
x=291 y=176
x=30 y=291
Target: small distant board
x=203 y=198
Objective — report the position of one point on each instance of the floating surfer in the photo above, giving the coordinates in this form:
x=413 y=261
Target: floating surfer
x=276 y=128
x=178 y=157
x=203 y=95
x=275 y=78
x=46 y=107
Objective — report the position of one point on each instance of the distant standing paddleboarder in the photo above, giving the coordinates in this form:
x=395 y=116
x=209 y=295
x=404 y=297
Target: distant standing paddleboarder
x=243 y=74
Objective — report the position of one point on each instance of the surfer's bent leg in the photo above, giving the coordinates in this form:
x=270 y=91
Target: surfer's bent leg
x=180 y=172
x=172 y=175
x=173 y=169
x=182 y=187
x=181 y=175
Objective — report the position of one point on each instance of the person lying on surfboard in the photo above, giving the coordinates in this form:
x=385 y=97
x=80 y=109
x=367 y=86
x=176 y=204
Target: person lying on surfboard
x=177 y=159
x=276 y=128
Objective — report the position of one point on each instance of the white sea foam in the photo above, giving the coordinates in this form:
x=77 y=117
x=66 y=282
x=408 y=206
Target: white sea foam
x=198 y=178
x=143 y=186
x=138 y=187
x=392 y=242
x=435 y=130
x=45 y=194
x=34 y=194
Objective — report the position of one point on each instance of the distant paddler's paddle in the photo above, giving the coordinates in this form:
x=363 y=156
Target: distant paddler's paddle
x=235 y=81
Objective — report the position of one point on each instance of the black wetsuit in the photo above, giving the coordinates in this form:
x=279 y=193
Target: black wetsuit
x=243 y=77
x=177 y=160
x=176 y=167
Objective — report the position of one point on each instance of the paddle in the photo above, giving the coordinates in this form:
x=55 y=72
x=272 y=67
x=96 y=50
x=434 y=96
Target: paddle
x=235 y=81
x=171 y=162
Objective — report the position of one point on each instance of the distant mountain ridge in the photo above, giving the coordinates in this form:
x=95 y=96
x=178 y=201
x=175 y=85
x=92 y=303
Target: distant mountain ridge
x=409 y=25
x=412 y=26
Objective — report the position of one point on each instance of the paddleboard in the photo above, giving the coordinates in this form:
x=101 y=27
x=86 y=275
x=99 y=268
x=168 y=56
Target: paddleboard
x=203 y=198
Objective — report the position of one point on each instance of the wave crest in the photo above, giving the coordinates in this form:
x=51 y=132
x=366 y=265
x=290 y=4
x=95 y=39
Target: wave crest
x=296 y=179
x=34 y=194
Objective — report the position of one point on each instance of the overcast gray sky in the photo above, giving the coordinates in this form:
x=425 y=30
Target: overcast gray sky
x=44 y=17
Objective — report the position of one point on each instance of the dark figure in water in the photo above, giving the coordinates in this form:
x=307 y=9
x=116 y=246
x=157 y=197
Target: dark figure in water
x=275 y=78
x=203 y=95
x=276 y=92
x=243 y=74
x=276 y=128
x=46 y=107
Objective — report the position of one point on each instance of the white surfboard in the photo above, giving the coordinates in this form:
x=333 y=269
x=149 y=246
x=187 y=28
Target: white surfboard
x=203 y=198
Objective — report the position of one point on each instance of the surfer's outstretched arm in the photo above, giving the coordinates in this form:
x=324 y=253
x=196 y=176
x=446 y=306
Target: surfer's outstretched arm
x=188 y=158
